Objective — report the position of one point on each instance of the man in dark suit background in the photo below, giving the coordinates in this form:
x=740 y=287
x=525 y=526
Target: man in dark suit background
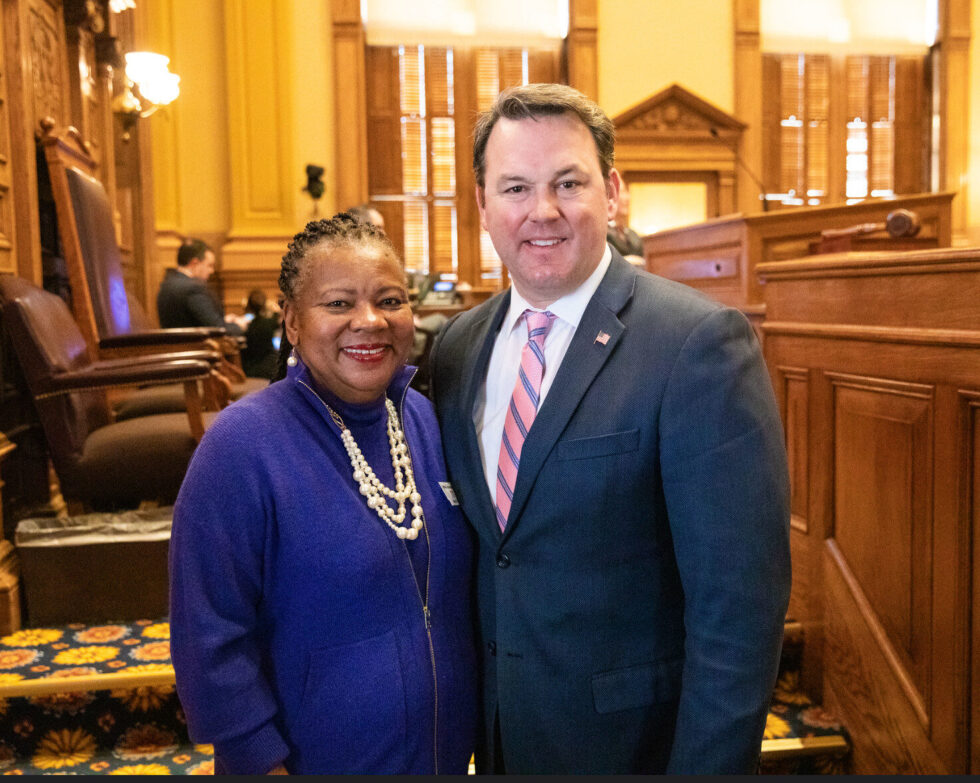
x=184 y=298
x=632 y=579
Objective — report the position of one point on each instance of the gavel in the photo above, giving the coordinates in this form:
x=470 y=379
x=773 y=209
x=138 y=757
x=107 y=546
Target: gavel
x=898 y=223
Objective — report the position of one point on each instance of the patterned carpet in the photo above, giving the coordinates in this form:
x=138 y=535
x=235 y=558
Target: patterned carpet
x=100 y=700
x=121 y=715
x=801 y=737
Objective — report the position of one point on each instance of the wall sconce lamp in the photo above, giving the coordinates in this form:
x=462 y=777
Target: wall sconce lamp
x=149 y=84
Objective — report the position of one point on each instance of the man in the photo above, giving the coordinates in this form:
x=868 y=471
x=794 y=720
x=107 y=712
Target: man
x=368 y=214
x=620 y=235
x=633 y=577
x=184 y=298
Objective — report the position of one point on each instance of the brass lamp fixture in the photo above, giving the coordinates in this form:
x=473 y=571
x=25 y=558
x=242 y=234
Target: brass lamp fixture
x=149 y=84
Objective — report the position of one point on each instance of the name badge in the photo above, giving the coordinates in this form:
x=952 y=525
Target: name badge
x=450 y=494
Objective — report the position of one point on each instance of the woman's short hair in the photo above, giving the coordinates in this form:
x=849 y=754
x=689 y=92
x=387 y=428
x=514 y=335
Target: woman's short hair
x=343 y=228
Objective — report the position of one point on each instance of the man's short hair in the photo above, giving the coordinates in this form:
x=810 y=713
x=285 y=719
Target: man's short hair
x=531 y=101
x=191 y=249
x=364 y=212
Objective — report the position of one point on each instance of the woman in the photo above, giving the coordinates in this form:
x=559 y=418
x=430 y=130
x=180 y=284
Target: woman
x=319 y=566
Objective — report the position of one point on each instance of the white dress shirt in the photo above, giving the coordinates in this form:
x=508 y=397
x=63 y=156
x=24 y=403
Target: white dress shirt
x=494 y=396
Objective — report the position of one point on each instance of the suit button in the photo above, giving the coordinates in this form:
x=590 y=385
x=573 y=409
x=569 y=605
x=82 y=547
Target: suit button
x=502 y=561
x=492 y=647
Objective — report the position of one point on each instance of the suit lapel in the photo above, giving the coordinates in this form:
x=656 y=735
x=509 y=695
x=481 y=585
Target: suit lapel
x=480 y=509
x=586 y=355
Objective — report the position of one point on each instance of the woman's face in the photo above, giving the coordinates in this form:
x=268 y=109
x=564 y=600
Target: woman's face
x=350 y=320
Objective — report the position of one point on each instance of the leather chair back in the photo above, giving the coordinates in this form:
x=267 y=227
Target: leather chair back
x=103 y=265
x=47 y=341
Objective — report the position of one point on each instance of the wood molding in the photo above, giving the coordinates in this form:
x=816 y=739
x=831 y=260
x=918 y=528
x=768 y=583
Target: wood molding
x=949 y=338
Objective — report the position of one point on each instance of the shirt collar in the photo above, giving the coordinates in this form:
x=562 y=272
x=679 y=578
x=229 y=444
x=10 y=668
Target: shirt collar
x=568 y=308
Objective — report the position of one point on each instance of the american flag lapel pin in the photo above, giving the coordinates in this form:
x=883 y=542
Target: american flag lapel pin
x=602 y=338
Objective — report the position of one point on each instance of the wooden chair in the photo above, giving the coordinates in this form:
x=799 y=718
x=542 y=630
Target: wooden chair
x=100 y=464
x=111 y=321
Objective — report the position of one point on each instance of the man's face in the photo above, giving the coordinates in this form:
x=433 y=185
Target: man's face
x=546 y=204
x=202 y=268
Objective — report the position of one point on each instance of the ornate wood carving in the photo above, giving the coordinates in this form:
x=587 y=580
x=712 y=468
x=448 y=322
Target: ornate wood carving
x=8 y=261
x=675 y=136
x=47 y=58
x=676 y=108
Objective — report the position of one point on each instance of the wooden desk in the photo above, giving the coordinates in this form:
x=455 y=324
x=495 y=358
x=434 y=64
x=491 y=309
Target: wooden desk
x=720 y=256
x=875 y=360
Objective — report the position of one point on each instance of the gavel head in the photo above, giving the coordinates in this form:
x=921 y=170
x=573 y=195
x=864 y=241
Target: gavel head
x=902 y=223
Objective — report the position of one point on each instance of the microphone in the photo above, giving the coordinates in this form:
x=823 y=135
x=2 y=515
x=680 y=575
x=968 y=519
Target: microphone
x=738 y=159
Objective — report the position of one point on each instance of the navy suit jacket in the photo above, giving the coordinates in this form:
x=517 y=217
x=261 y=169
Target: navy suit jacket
x=631 y=614
x=184 y=301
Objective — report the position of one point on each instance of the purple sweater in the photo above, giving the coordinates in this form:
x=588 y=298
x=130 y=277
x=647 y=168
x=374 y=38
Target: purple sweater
x=297 y=629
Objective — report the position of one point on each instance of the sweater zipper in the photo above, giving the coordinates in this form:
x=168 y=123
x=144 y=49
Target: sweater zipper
x=426 y=614
x=424 y=601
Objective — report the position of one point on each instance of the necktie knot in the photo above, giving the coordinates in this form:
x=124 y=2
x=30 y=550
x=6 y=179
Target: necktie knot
x=538 y=325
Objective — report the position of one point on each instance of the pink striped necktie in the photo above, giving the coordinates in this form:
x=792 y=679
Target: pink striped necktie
x=522 y=409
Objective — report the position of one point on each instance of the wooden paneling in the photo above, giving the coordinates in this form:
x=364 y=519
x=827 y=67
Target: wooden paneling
x=794 y=383
x=882 y=351
x=882 y=488
x=971 y=510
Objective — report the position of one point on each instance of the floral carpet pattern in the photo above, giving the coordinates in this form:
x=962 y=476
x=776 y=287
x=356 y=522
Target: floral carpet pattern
x=141 y=730
x=99 y=649
x=136 y=730
x=801 y=738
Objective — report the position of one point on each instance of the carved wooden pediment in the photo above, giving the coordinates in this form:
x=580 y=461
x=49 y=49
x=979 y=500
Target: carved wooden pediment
x=676 y=110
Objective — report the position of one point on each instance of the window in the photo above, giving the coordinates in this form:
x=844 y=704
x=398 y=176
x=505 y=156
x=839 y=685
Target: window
x=422 y=102
x=830 y=128
x=847 y=91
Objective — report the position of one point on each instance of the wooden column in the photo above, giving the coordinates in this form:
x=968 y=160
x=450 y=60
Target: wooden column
x=748 y=101
x=954 y=91
x=349 y=102
x=582 y=46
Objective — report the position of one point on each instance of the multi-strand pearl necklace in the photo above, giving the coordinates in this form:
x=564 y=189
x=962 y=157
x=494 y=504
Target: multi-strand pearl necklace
x=372 y=488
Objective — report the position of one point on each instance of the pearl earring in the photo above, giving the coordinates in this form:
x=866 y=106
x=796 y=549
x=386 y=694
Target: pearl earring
x=291 y=361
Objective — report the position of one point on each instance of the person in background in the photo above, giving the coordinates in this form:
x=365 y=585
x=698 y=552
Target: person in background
x=260 y=357
x=320 y=569
x=368 y=214
x=184 y=298
x=614 y=440
x=620 y=235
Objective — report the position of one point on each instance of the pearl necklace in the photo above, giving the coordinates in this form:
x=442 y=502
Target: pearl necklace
x=372 y=488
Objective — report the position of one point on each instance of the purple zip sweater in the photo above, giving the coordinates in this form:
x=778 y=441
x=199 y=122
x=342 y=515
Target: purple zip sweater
x=297 y=629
